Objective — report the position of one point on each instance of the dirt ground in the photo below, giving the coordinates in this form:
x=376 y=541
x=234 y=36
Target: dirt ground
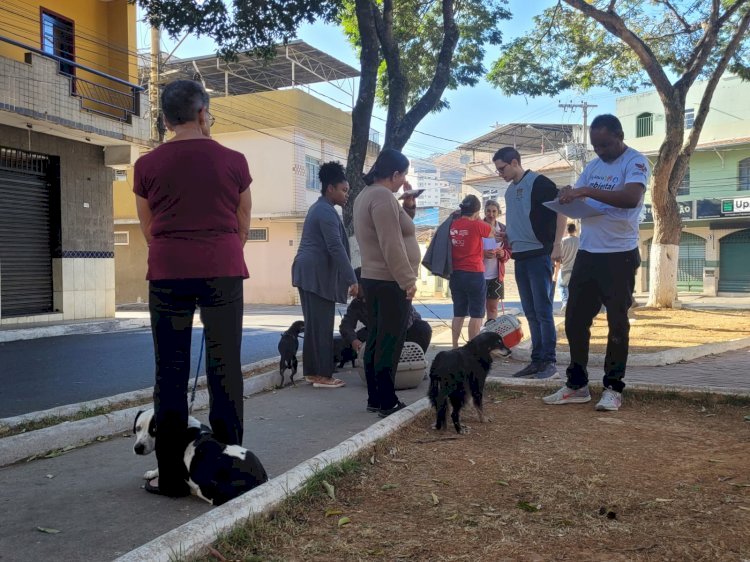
x=665 y=479
x=653 y=330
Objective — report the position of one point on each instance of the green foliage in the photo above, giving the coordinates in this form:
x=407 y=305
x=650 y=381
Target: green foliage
x=239 y=26
x=418 y=32
x=567 y=49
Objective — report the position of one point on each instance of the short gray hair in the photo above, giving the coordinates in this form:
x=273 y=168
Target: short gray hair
x=181 y=101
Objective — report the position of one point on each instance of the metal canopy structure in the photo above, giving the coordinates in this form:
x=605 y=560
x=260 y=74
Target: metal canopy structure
x=527 y=138
x=295 y=64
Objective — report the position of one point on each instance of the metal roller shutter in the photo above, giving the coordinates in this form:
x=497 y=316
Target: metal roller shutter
x=691 y=262
x=25 y=253
x=734 y=267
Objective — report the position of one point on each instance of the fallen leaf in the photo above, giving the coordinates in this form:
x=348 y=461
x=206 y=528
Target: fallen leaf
x=216 y=554
x=502 y=483
x=331 y=512
x=663 y=500
x=50 y=476
x=443 y=482
x=389 y=486
x=747 y=418
x=472 y=461
x=526 y=506
x=344 y=521
x=743 y=507
x=372 y=459
x=330 y=490
x=739 y=485
x=452 y=517
x=715 y=460
x=48 y=530
x=435 y=499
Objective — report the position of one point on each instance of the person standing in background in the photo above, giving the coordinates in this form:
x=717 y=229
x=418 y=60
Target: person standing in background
x=496 y=254
x=568 y=251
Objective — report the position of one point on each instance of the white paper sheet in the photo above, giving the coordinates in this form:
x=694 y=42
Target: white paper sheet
x=576 y=209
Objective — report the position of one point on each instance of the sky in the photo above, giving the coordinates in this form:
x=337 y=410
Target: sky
x=473 y=110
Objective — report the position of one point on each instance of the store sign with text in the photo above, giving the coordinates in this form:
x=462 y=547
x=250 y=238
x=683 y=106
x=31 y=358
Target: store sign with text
x=738 y=207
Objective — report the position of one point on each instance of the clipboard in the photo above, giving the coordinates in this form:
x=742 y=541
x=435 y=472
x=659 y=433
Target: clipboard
x=576 y=209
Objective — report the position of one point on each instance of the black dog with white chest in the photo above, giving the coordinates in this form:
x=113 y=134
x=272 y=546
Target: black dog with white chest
x=459 y=372
x=288 y=346
x=217 y=472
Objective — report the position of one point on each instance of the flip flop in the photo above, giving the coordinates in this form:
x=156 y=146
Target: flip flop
x=154 y=489
x=334 y=383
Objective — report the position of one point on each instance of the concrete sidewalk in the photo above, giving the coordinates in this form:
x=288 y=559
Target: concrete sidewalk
x=92 y=494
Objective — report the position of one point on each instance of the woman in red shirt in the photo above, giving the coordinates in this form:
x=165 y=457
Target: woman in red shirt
x=467 y=283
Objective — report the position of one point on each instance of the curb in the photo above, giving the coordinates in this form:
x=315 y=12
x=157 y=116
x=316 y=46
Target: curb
x=652 y=386
x=192 y=536
x=97 y=327
x=73 y=434
x=522 y=352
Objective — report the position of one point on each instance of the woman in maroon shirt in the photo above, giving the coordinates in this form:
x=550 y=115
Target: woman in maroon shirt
x=193 y=201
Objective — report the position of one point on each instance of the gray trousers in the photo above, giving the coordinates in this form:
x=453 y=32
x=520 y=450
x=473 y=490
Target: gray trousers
x=317 y=348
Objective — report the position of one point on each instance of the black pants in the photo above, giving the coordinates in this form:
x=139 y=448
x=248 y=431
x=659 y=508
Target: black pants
x=388 y=313
x=317 y=350
x=600 y=279
x=172 y=304
x=420 y=332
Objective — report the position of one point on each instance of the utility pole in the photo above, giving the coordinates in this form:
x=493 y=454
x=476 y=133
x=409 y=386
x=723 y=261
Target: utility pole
x=585 y=106
x=153 y=84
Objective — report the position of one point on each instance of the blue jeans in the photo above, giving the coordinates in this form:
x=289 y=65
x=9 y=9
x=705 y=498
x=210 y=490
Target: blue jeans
x=534 y=281
x=564 y=294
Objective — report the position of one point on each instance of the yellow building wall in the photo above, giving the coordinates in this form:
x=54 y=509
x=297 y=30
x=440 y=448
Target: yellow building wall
x=124 y=198
x=270 y=264
x=105 y=38
x=278 y=109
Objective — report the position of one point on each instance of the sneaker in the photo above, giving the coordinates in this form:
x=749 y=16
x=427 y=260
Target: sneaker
x=385 y=412
x=548 y=371
x=610 y=402
x=529 y=370
x=569 y=396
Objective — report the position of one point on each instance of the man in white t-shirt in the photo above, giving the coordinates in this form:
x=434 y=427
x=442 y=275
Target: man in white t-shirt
x=606 y=262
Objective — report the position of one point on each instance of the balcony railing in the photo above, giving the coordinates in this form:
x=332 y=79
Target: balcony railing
x=99 y=92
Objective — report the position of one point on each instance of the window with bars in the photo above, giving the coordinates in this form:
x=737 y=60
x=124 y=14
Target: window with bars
x=122 y=238
x=689 y=118
x=684 y=188
x=58 y=38
x=644 y=125
x=743 y=175
x=312 y=167
x=257 y=235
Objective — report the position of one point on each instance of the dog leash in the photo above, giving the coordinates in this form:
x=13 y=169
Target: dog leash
x=197 y=369
x=460 y=335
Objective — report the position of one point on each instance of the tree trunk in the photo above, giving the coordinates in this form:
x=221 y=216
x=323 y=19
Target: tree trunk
x=665 y=246
x=369 y=58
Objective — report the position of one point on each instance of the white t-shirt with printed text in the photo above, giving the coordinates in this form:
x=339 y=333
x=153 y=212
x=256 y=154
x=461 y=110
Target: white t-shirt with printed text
x=616 y=230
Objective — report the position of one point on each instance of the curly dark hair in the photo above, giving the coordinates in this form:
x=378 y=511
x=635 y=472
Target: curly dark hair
x=330 y=173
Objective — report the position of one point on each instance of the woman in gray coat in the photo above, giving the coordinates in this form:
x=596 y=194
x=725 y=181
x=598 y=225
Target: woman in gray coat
x=323 y=274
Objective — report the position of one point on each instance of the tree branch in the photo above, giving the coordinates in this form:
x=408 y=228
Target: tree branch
x=616 y=26
x=439 y=81
x=678 y=15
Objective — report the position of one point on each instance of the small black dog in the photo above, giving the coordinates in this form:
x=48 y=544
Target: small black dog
x=288 y=346
x=343 y=353
x=458 y=371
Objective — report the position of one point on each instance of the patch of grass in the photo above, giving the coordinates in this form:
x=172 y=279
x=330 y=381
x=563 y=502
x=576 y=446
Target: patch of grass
x=255 y=540
x=49 y=421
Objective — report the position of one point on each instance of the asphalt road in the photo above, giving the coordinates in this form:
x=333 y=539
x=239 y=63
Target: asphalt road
x=48 y=372
x=43 y=373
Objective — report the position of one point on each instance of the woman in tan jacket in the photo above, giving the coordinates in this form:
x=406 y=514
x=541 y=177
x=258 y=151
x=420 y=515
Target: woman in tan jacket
x=390 y=260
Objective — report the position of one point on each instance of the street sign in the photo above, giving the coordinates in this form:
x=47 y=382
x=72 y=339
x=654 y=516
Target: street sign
x=739 y=206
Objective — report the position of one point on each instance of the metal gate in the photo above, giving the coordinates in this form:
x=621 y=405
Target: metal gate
x=690 y=264
x=734 y=267
x=25 y=246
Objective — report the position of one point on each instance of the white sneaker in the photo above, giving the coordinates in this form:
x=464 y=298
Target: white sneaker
x=569 y=396
x=610 y=402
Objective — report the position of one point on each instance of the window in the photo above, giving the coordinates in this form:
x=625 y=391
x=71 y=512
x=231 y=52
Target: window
x=257 y=235
x=312 y=166
x=644 y=125
x=122 y=238
x=689 y=118
x=684 y=188
x=743 y=175
x=58 y=38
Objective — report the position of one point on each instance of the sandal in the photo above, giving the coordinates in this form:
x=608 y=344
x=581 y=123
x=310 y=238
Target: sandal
x=154 y=489
x=325 y=382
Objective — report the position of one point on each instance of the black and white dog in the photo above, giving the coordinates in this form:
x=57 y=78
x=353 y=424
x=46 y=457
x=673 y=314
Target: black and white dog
x=456 y=373
x=288 y=346
x=217 y=472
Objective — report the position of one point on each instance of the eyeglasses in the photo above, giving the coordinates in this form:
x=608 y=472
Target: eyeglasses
x=500 y=169
x=211 y=119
